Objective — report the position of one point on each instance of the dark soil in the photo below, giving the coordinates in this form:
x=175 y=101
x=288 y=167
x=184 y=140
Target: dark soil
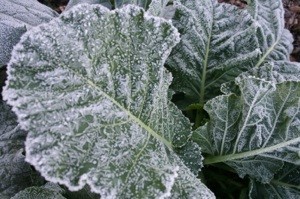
x=57 y=5
x=292 y=22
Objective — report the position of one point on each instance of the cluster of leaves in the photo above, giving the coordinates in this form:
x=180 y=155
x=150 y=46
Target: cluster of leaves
x=170 y=102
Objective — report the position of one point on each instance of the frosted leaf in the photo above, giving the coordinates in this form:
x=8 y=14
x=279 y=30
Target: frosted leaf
x=91 y=89
x=275 y=42
x=254 y=132
x=15 y=173
x=105 y=3
x=54 y=187
x=141 y=3
x=9 y=36
x=39 y=193
x=188 y=154
x=156 y=7
x=286 y=184
x=15 y=18
x=218 y=42
x=16 y=13
x=161 y=8
x=277 y=72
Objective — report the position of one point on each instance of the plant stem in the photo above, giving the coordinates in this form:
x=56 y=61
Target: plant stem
x=230 y=157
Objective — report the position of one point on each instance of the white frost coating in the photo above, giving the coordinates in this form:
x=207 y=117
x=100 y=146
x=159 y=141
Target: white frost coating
x=274 y=40
x=39 y=192
x=284 y=185
x=253 y=132
x=92 y=90
x=121 y=3
x=16 y=13
x=160 y=8
x=73 y=3
x=218 y=42
x=169 y=183
x=15 y=18
x=15 y=173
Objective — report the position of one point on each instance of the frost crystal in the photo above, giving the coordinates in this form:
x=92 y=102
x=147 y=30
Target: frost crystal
x=254 y=132
x=274 y=40
x=91 y=89
x=15 y=18
x=218 y=42
x=15 y=173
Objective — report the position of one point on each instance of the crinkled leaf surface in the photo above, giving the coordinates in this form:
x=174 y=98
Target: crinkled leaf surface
x=142 y=3
x=91 y=89
x=15 y=18
x=277 y=72
x=9 y=36
x=43 y=192
x=15 y=173
x=218 y=42
x=275 y=42
x=16 y=13
x=286 y=184
x=254 y=132
x=105 y=3
x=191 y=156
x=156 y=7
x=160 y=8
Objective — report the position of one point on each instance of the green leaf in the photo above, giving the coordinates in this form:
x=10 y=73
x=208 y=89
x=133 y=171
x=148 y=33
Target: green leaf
x=44 y=192
x=28 y=13
x=91 y=89
x=161 y=8
x=9 y=36
x=256 y=132
x=277 y=72
x=218 y=42
x=142 y=3
x=72 y=3
x=191 y=156
x=275 y=42
x=286 y=184
x=15 y=18
x=15 y=173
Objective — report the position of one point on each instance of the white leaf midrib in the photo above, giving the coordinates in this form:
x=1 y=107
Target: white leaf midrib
x=205 y=62
x=134 y=118
x=277 y=182
x=231 y=157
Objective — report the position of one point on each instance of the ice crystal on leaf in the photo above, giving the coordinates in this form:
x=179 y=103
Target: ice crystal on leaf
x=254 y=128
x=154 y=7
x=161 y=8
x=115 y=3
x=91 y=90
x=257 y=130
x=106 y=3
x=286 y=184
x=15 y=18
x=48 y=191
x=15 y=173
x=141 y=3
x=274 y=40
x=218 y=42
